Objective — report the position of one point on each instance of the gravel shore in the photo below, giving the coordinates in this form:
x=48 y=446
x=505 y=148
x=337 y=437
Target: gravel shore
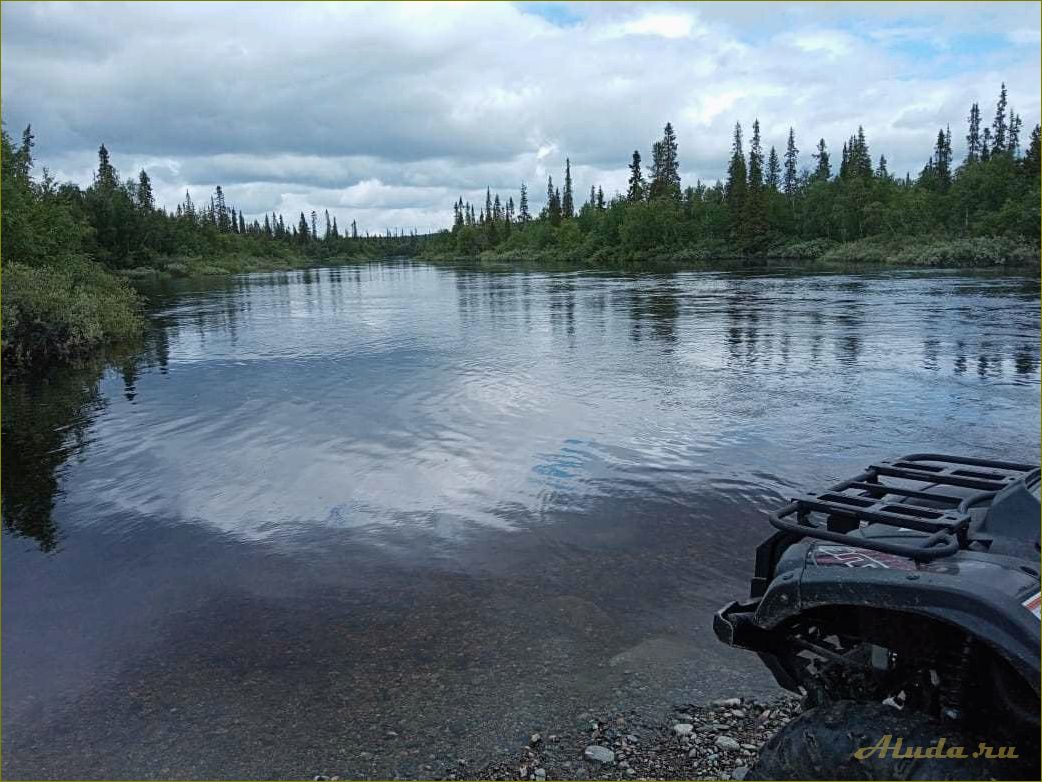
x=715 y=741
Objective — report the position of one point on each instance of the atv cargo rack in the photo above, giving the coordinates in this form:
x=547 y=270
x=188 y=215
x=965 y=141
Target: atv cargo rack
x=867 y=499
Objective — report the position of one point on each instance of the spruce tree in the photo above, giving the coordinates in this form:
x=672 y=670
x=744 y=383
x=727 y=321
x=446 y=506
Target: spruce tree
x=1013 y=145
x=755 y=159
x=998 y=126
x=791 y=159
x=941 y=168
x=303 y=232
x=734 y=190
x=314 y=225
x=523 y=215
x=823 y=171
x=752 y=228
x=220 y=211
x=600 y=197
x=354 y=229
x=665 y=167
x=145 y=199
x=881 y=171
x=773 y=171
x=637 y=187
x=329 y=228
x=593 y=196
x=973 y=139
x=861 y=160
x=105 y=179
x=567 y=199
x=985 y=146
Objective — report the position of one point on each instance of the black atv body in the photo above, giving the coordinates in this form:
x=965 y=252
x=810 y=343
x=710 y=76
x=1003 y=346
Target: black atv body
x=915 y=583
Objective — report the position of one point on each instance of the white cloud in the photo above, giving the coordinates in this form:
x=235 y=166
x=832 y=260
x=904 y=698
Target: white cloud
x=832 y=43
x=663 y=25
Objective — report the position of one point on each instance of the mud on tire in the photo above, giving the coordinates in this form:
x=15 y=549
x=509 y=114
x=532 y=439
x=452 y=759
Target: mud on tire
x=819 y=744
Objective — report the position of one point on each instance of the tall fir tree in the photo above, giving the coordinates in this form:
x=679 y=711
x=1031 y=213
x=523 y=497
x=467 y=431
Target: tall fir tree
x=523 y=215
x=791 y=179
x=823 y=169
x=567 y=198
x=1013 y=145
x=773 y=171
x=998 y=126
x=665 y=166
x=973 y=137
x=755 y=159
x=735 y=189
x=220 y=211
x=106 y=177
x=146 y=200
x=637 y=186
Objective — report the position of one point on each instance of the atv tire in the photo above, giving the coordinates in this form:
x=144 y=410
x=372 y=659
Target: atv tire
x=820 y=744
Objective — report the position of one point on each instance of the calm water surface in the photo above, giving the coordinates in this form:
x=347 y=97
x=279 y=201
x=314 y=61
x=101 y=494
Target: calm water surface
x=322 y=506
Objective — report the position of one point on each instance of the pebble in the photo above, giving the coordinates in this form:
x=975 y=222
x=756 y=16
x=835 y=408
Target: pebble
x=599 y=754
x=694 y=742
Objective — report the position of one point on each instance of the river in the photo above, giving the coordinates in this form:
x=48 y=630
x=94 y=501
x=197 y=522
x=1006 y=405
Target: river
x=372 y=520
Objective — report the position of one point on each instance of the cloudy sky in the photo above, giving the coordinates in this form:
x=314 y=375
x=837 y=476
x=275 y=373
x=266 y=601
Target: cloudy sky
x=386 y=113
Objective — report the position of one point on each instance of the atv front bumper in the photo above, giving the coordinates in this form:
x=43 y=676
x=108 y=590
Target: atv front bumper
x=735 y=625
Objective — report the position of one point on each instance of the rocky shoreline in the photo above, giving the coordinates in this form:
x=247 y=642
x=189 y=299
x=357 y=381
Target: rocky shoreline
x=715 y=741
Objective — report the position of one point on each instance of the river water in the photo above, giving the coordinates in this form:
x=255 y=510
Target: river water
x=320 y=508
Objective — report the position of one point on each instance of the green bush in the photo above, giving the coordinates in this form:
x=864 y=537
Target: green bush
x=54 y=313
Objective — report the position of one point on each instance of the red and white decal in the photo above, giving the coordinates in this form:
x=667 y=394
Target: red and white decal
x=1034 y=605
x=852 y=556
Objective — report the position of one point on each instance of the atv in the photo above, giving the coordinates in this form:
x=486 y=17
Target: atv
x=903 y=606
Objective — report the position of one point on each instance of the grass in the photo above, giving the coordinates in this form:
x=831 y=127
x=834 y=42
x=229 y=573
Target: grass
x=211 y=266
x=980 y=252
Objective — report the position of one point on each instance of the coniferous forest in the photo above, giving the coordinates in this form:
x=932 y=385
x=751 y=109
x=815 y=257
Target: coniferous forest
x=784 y=202
x=68 y=252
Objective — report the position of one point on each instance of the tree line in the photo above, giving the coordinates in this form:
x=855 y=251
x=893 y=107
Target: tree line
x=776 y=202
x=117 y=222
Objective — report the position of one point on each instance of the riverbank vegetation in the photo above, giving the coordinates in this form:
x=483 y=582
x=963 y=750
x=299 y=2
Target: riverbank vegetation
x=68 y=252
x=782 y=204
